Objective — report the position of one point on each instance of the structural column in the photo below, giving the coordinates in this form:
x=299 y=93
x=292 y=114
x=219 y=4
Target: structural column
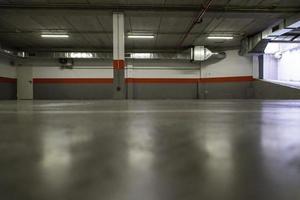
x=119 y=56
x=261 y=66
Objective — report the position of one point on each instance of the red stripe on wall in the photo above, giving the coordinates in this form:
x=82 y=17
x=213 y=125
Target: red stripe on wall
x=227 y=79
x=142 y=80
x=73 y=80
x=161 y=80
x=190 y=80
x=7 y=80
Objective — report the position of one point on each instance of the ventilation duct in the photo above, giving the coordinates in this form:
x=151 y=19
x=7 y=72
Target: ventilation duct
x=285 y=31
x=8 y=52
x=200 y=53
x=109 y=56
x=66 y=63
x=158 y=56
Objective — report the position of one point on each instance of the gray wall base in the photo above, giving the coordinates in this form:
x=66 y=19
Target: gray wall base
x=8 y=91
x=237 y=90
x=268 y=90
x=72 y=91
x=240 y=90
x=164 y=91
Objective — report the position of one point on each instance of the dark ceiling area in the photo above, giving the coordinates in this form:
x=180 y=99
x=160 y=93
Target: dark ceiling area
x=89 y=22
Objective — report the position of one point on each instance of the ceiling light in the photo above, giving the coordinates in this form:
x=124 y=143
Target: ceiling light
x=220 y=37
x=141 y=36
x=54 y=36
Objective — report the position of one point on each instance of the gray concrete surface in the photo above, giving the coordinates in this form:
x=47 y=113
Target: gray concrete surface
x=239 y=90
x=150 y=150
x=230 y=90
x=164 y=91
x=269 y=90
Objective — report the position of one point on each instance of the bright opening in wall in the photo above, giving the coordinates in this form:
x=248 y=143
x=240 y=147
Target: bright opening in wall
x=281 y=63
x=272 y=48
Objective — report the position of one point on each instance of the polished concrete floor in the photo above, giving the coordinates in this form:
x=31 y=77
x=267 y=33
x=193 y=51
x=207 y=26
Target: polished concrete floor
x=150 y=150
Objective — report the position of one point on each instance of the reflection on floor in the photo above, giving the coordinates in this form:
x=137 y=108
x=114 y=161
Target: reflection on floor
x=150 y=150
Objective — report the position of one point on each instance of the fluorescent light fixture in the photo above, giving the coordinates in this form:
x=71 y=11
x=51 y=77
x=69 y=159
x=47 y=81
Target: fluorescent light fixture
x=220 y=37
x=54 y=36
x=141 y=36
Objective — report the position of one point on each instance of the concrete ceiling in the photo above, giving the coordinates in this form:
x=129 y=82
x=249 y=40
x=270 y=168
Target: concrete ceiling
x=89 y=22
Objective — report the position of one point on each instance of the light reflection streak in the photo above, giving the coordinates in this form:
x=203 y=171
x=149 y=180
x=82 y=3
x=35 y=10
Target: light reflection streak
x=57 y=156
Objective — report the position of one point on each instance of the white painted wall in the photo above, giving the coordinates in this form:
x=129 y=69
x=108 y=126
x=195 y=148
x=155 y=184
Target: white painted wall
x=286 y=69
x=50 y=68
x=57 y=72
x=233 y=65
x=255 y=71
x=6 y=70
x=270 y=67
x=289 y=66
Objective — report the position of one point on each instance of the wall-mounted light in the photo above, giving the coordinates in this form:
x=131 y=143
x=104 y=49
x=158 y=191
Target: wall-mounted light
x=55 y=36
x=141 y=36
x=220 y=37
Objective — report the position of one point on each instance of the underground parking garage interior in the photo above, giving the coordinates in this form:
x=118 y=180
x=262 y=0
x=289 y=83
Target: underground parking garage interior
x=149 y=100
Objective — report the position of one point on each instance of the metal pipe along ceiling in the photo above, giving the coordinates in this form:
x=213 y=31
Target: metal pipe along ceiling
x=108 y=56
x=195 y=21
x=134 y=7
x=135 y=56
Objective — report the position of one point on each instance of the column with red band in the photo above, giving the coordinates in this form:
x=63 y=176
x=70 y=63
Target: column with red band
x=119 y=64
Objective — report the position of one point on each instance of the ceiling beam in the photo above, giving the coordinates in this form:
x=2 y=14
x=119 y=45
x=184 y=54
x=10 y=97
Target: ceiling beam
x=38 y=32
x=132 y=7
x=132 y=50
x=195 y=21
